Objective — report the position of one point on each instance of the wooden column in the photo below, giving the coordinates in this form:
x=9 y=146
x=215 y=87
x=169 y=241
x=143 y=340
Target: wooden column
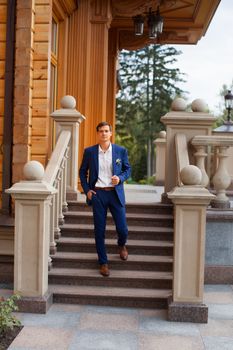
x=78 y=60
x=88 y=64
x=112 y=77
x=23 y=87
x=98 y=67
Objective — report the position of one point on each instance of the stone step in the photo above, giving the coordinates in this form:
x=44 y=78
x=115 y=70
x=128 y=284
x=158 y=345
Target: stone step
x=139 y=219
x=119 y=297
x=72 y=244
x=122 y=278
x=135 y=232
x=134 y=262
x=157 y=208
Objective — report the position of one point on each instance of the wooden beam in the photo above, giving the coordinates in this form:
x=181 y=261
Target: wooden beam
x=8 y=105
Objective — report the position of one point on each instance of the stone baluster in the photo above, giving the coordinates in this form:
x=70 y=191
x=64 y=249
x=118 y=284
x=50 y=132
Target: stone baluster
x=221 y=180
x=60 y=198
x=160 y=144
x=53 y=244
x=57 y=231
x=64 y=204
x=200 y=156
x=32 y=225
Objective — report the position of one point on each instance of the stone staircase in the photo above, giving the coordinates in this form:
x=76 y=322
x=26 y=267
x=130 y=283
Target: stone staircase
x=144 y=280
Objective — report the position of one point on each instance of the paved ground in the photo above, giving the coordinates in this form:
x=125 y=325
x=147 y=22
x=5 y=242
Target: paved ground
x=77 y=327
x=138 y=194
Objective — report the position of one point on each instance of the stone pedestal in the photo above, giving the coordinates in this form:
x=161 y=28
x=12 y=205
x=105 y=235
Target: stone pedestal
x=68 y=118
x=189 y=254
x=31 y=250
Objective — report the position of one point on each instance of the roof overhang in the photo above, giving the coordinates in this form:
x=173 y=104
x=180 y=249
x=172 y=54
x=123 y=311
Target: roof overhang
x=185 y=21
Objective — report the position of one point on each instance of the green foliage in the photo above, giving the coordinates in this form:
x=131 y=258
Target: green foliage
x=148 y=86
x=7 y=320
x=148 y=181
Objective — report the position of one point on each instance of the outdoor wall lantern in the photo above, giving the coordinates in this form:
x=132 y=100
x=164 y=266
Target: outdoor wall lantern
x=154 y=22
x=229 y=105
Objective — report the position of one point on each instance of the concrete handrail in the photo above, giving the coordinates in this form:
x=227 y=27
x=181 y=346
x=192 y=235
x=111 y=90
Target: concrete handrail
x=57 y=157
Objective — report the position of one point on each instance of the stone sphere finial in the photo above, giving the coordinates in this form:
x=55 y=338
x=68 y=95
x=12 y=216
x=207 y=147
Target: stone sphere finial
x=191 y=175
x=162 y=134
x=178 y=104
x=68 y=102
x=199 y=105
x=33 y=170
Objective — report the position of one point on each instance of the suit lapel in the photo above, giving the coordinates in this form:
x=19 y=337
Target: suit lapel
x=96 y=158
x=113 y=159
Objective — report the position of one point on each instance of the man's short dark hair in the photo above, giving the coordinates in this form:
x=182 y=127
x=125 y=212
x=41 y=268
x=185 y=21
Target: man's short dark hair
x=103 y=124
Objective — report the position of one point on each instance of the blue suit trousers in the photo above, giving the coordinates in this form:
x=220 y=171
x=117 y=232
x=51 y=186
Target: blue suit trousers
x=101 y=202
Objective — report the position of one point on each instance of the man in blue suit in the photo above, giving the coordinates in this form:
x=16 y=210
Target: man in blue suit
x=104 y=169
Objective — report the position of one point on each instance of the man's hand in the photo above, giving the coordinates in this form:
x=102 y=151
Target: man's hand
x=115 y=180
x=90 y=194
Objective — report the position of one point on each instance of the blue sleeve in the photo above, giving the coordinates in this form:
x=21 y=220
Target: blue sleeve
x=83 y=171
x=126 y=168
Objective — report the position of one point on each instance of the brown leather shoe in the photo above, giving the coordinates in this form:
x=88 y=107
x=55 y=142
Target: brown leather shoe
x=123 y=253
x=104 y=270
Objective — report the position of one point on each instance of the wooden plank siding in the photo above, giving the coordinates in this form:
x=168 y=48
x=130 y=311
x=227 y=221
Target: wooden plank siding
x=3 y=18
x=41 y=82
x=31 y=129
x=25 y=13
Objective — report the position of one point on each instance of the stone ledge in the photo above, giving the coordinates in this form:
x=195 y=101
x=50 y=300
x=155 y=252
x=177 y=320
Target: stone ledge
x=187 y=312
x=214 y=214
x=218 y=274
x=37 y=305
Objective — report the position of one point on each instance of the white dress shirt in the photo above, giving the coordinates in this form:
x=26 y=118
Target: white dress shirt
x=105 y=168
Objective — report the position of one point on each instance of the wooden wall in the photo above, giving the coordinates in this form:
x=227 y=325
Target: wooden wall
x=41 y=83
x=3 y=15
x=82 y=72
x=31 y=111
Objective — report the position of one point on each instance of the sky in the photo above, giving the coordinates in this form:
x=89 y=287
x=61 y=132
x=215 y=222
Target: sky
x=209 y=64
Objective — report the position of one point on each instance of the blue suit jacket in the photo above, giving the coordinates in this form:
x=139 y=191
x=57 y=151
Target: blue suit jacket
x=89 y=169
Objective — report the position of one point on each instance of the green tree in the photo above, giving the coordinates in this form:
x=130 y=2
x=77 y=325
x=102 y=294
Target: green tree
x=148 y=86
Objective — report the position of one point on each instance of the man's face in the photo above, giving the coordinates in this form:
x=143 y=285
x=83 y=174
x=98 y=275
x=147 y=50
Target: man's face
x=104 y=134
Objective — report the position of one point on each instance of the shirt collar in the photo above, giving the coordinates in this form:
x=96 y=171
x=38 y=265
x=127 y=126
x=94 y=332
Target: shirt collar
x=108 y=150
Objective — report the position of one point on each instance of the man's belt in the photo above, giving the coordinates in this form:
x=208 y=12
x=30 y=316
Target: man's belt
x=105 y=188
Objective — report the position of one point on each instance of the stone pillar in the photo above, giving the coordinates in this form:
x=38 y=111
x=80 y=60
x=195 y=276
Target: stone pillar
x=190 y=203
x=68 y=118
x=160 y=155
x=32 y=224
x=189 y=123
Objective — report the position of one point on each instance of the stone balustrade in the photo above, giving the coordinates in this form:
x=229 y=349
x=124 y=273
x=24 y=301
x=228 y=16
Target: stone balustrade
x=55 y=176
x=221 y=179
x=39 y=204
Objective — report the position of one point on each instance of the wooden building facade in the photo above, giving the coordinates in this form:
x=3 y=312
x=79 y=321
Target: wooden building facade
x=51 y=48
